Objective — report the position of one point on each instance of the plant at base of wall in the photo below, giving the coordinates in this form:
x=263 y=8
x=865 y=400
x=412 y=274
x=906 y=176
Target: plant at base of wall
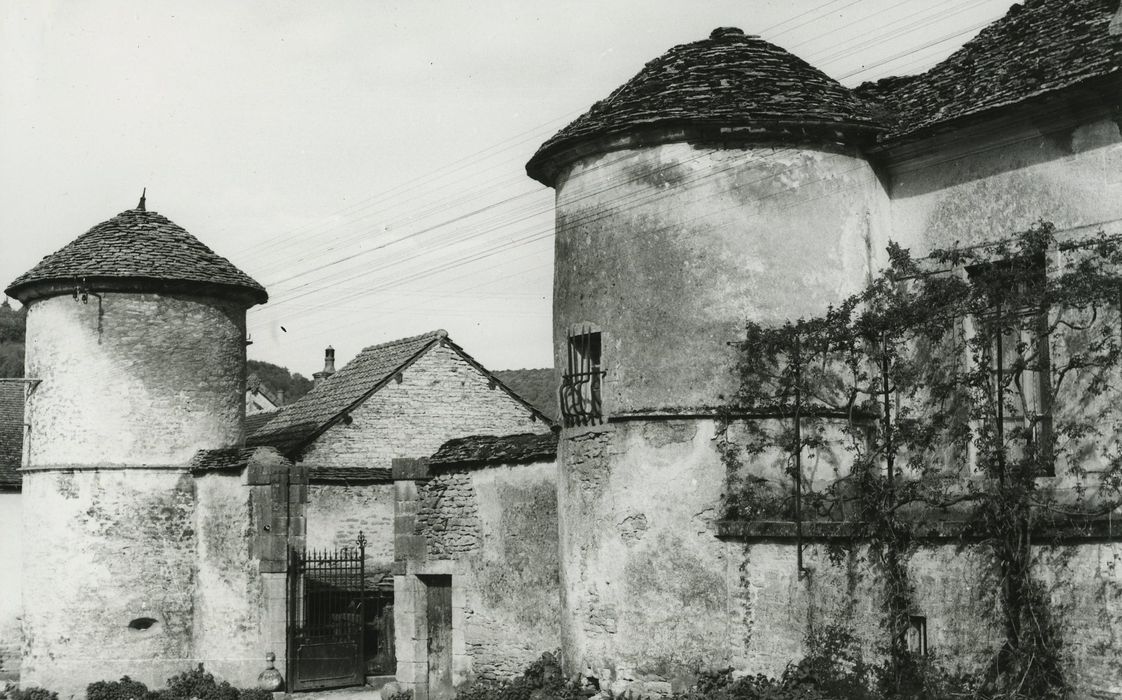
x=195 y=684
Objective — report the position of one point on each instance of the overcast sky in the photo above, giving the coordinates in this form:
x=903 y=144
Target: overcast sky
x=364 y=160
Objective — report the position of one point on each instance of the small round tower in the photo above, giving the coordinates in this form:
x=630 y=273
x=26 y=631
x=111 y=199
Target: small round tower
x=723 y=183
x=136 y=351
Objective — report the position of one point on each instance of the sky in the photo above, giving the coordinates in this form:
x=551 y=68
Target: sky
x=364 y=160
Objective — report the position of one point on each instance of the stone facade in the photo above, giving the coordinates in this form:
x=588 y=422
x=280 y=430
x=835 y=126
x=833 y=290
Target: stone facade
x=438 y=397
x=674 y=231
x=493 y=530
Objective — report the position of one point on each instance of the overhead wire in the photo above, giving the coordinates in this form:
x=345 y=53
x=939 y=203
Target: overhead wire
x=491 y=250
x=463 y=162
x=929 y=164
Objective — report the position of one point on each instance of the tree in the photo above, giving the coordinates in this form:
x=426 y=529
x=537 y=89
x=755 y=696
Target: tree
x=12 y=329
x=294 y=385
x=954 y=383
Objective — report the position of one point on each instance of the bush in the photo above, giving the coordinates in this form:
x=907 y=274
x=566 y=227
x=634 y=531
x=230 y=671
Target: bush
x=189 y=685
x=124 y=689
x=30 y=694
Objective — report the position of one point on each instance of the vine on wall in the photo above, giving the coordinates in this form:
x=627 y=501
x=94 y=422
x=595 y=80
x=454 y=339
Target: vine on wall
x=976 y=386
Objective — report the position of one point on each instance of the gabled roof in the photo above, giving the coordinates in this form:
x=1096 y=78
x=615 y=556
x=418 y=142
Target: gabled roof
x=1038 y=47
x=254 y=385
x=302 y=421
x=256 y=421
x=729 y=81
x=11 y=434
x=479 y=450
x=538 y=386
x=137 y=249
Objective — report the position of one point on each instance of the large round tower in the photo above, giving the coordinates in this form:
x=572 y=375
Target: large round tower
x=724 y=182
x=136 y=352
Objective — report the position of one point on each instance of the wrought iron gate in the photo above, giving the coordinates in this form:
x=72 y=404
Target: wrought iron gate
x=326 y=619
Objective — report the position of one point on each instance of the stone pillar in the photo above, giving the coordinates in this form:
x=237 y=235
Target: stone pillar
x=409 y=621
x=247 y=517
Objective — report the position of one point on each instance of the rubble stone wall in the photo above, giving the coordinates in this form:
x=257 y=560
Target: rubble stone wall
x=494 y=530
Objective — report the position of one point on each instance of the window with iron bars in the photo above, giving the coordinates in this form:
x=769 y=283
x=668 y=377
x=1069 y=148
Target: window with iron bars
x=1016 y=324
x=581 y=383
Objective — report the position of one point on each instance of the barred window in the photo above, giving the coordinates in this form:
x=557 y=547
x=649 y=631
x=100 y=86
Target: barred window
x=581 y=382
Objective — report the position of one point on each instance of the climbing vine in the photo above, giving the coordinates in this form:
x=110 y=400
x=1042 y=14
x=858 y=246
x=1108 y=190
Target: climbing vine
x=969 y=394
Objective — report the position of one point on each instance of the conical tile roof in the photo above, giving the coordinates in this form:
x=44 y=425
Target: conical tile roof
x=729 y=81
x=135 y=250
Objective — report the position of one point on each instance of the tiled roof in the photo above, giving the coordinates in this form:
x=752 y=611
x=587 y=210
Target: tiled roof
x=1038 y=47
x=363 y=375
x=727 y=80
x=221 y=459
x=11 y=434
x=496 y=449
x=255 y=421
x=299 y=422
x=537 y=386
x=136 y=245
x=349 y=475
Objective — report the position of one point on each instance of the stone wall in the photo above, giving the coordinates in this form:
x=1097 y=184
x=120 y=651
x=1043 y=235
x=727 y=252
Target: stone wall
x=653 y=592
x=137 y=379
x=11 y=557
x=992 y=181
x=494 y=531
x=338 y=512
x=439 y=397
x=110 y=589
x=668 y=249
x=245 y=520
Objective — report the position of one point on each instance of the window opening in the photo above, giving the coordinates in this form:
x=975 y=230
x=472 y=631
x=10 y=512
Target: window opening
x=581 y=384
x=1016 y=327
x=917 y=635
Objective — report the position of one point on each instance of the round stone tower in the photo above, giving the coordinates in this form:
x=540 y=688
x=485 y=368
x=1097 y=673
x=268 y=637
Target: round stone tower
x=136 y=352
x=723 y=183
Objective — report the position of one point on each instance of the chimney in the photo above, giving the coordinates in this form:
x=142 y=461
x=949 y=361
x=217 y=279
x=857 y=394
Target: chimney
x=328 y=367
x=280 y=397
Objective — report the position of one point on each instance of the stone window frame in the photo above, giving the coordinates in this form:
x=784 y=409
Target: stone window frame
x=1031 y=331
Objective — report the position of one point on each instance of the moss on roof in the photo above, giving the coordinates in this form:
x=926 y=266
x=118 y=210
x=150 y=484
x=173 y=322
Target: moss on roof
x=136 y=246
x=1039 y=47
x=728 y=80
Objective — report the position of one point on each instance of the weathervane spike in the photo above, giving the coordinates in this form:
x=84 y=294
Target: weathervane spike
x=142 y=195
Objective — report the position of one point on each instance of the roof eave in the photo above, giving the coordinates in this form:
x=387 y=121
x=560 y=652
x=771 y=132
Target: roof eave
x=45 y=287
x=552 y=158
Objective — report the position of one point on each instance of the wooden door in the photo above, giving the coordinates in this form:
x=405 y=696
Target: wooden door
x=438 y=606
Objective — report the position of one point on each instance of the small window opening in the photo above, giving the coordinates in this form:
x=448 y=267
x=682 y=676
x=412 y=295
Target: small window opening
x=581 y=383
x=141 y=623
x=917 y=635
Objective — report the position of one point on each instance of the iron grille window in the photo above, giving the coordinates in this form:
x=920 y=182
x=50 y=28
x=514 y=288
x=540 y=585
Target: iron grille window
x=1016 y=325
x=581 y=384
